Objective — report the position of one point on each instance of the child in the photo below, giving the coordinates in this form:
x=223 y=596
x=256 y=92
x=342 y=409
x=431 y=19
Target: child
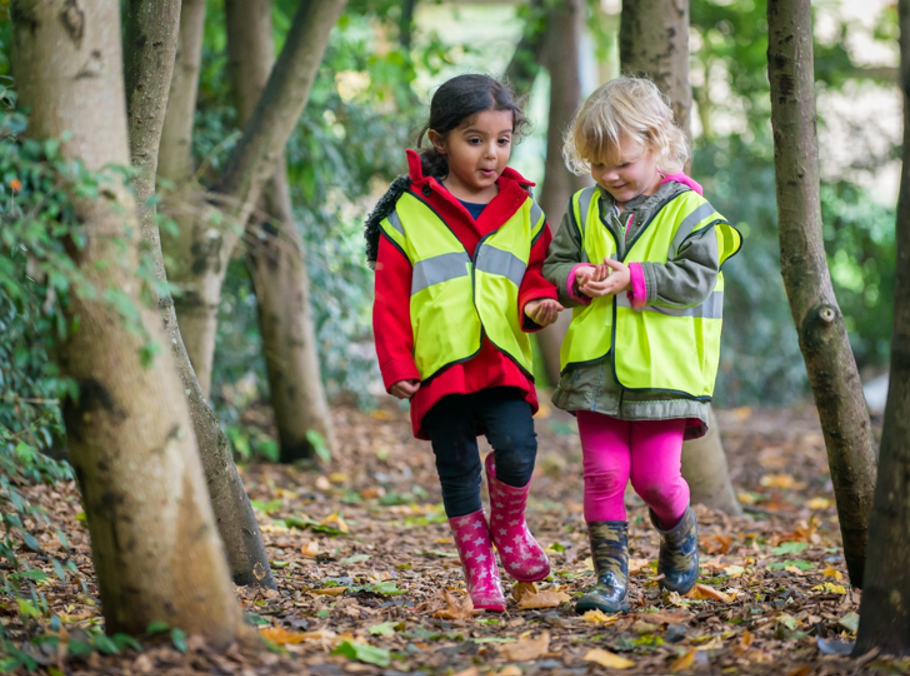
x=458 y=247
x=638 y=256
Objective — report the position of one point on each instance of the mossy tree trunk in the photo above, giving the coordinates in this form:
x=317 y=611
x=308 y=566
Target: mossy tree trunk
x=654 y=43
x=276 y=255
x=822 y=335
x=155 y=547
x=885 y=608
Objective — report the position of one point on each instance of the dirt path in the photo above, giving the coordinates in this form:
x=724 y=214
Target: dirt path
x=364 y=560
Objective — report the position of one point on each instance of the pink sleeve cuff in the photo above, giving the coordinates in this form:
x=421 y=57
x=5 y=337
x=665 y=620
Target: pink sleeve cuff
x=685 y=180
x=570 y=285
x=638 y=293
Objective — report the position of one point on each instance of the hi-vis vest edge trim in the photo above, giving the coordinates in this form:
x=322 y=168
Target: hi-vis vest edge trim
x=457 y=299
x=654 y=348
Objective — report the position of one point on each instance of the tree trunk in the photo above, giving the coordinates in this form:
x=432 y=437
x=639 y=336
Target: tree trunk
x=156 y=552
x=210 y=242
x=654 y=43
x=275 y=256
x=563 y=35
x=884 y=611
x=524 y=65
x=822 y=336
x=147 y=28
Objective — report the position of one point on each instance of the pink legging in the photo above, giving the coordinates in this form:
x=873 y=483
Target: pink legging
x=645 y=451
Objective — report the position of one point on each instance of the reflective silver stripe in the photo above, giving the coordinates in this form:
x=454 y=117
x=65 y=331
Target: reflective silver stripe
x=439 y=269
x=688 y=225
x=584 y=205
x=712 y=308
x=536 y=214
x=395 y=221
x=499 y=262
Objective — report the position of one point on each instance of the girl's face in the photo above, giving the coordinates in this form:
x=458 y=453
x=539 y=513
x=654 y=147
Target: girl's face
x=634 y=172
x=477 y=152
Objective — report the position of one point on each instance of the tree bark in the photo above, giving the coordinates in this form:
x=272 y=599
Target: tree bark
x=822 y=336
x=250 y=166
x=246 y=555
x=654 y=43
x=563 y=36
x=884 y=610
x=276 y=256
x=156 y=552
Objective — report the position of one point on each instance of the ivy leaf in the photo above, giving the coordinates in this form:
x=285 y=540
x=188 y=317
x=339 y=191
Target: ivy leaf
x=363 y=652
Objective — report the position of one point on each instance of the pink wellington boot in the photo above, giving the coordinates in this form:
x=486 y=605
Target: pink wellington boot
x=472 y=537
x=520 y=554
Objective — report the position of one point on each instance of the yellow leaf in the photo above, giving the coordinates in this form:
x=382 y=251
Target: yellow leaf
x=833 y=572
x=607 y=659
x=830 y=588
x=599 y=617
x=282 y=636
x=777 y=481
x=339 y=477
x=522 y=589
x=684 y=661
x=336 y=521
x=528 y=649
x=734 y=571
x=818 y=503
x=638 y=565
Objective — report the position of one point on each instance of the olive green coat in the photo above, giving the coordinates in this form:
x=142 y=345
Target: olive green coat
x=683 y=281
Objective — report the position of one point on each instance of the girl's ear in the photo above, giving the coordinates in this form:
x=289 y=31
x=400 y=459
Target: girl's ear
x=438 y=141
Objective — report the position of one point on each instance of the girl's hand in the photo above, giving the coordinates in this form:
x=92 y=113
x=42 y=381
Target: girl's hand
x=543 y=311
x=614 y=277
x=405 y=389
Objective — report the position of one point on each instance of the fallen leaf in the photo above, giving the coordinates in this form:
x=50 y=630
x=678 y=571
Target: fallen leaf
x=638 y=565
x=329 y=591
x=527 y=649
x=717 y=544
x=830 y=588
x=522 y=589
x=661 y=617
x=684 y=661
x=547 y=599
x=833 y=572
x=607 y=659
x=310 y=549
x=471 y=671
x=599 y=617
x=282 y=636
x=336 y=521
x=510 y=670
x=818 y=503
x=703 y=591
x=455 y=609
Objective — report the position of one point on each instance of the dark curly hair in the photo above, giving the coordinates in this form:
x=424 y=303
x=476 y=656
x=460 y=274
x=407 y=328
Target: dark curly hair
x=460 y=99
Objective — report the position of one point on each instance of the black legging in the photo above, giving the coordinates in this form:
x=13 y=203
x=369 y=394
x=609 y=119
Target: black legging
x=453 y=423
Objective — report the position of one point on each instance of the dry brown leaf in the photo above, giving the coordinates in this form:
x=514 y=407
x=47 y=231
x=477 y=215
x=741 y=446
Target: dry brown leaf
x=527 y=649
x=607 y=659
x=329 y=591
x=471 y=671
x=547 y=599
x=310 y=549
x=717 y=544
x=455 y=609
x=510 y=670
x=661 y=617
x=282 y=636
x=703 y=591
x=522 y=589
x=684 y=661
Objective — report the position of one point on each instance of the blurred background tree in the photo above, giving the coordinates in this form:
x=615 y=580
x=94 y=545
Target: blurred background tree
x=383 y=62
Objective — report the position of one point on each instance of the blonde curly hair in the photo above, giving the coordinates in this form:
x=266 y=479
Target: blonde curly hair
x=627 y=109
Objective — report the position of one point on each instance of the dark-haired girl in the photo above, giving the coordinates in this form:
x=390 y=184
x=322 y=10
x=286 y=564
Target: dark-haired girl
x=458 y=246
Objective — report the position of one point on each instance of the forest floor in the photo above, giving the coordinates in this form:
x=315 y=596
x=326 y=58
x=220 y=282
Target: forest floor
x=369 y=581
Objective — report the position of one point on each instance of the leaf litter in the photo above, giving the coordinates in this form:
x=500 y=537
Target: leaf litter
x=369 y=581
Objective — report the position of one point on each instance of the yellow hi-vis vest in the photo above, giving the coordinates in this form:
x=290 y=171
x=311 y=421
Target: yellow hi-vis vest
x=456 y=298
x=653 y=348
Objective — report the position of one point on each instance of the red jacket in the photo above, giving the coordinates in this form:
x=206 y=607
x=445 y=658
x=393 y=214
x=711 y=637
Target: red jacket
x=391 y=308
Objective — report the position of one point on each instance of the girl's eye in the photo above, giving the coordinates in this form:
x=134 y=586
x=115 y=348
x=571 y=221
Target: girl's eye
x=505 y=141
x=624 y=165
